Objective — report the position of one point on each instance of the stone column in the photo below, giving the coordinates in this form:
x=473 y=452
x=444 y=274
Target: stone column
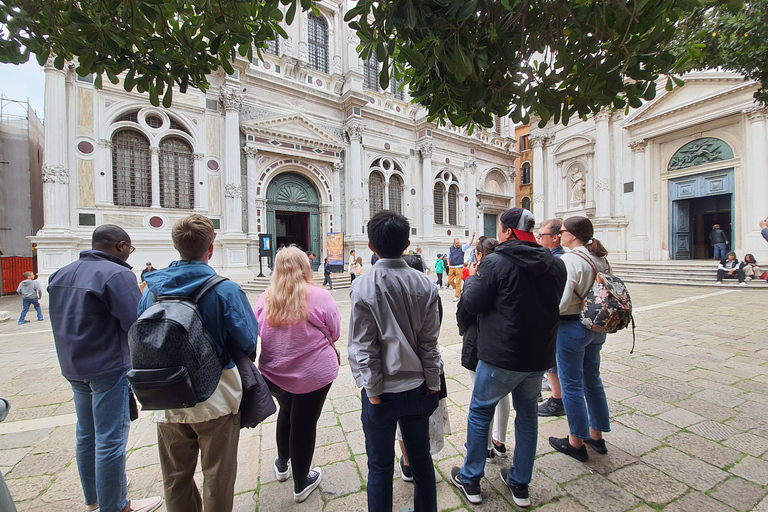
x=537 y=139
x=472 y=220
x=56 y=214
x=427 y=186
x=250 y=196
x=757 y=183
x=354 y=131
x=338 y=167
x=233 y=189
x=641 y=204
x=201 y=188
x=602 y=164
x=154 y=170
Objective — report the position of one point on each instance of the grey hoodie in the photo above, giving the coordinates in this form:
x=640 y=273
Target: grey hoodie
x=29 y=289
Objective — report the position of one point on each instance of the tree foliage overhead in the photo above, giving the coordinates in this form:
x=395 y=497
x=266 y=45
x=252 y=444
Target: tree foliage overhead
x=157 y=42
x=467 y=60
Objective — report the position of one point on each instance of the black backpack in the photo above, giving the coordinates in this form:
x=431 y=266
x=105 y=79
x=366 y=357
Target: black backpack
x=174 y=360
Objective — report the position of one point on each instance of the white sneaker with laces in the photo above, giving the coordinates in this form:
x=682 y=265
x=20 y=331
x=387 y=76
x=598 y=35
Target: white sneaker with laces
x=147 y=505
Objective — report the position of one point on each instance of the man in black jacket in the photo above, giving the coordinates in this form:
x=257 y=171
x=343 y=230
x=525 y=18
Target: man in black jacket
x=516 y=292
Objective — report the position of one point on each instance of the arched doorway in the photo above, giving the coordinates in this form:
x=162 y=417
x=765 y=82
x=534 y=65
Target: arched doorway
x=293 y=213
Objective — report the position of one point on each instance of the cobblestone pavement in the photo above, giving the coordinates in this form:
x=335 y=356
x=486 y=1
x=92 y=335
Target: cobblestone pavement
x=689 y=422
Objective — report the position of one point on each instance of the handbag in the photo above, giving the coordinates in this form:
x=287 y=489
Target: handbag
x=330 y=342
x=257 y=403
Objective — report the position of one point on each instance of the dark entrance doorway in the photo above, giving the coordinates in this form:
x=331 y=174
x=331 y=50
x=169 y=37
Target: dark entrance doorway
x=292 y=228
x=705 y=213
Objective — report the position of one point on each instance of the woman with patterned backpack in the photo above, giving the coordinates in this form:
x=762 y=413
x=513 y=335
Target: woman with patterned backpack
x=578 y=348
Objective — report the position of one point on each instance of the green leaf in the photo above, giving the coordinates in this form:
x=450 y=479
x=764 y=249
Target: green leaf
x=168 y=98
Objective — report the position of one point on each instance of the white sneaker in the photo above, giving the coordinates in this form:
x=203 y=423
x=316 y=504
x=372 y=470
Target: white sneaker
x=455 y=299
x=743 y=284
x=314 y=478
x=281 y=470
x=147 y=505
x=719 y=282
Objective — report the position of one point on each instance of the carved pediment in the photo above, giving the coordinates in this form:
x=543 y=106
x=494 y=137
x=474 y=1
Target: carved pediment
x=576 y=145
x=295 y=129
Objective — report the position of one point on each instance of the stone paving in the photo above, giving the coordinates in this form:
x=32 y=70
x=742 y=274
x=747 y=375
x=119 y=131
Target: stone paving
x=689 y=431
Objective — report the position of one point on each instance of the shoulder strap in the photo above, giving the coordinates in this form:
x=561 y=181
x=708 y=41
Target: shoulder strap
x=207 y=285
x=327 y=336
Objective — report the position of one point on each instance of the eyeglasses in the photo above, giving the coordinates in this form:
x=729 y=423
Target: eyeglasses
x=130 y=247
x=542 y=235
x=563 y=231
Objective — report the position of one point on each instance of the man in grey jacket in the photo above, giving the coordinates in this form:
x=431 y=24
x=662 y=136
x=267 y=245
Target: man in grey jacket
x=394 y=357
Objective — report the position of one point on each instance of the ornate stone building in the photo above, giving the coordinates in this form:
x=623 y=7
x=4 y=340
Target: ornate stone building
x=654 y=182
x=298 y=144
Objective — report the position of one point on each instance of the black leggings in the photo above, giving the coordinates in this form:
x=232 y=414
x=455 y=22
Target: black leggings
x=297 y=427
x=439 y=279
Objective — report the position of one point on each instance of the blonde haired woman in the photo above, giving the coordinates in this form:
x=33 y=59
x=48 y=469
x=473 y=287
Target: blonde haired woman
x=298 y=324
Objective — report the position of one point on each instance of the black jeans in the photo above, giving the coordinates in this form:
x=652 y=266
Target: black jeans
x=297 y=427
x=439 y=279
x=737 y=274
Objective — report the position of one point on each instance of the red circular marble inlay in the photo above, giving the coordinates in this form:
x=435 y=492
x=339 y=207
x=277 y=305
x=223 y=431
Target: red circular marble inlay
x=156 y=222
x=85 y=147
x=213 y=165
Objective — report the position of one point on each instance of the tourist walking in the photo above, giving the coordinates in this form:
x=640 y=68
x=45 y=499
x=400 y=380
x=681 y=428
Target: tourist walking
x=456 y=261
x=516 y=344
x=578 y=348
x=718 y=240
x=468 y=330
x=394 y=357
x=298 y=325
x=211 y=429
x=352 y=263
x=92 y=304
x=439 y=269
x=31 y=292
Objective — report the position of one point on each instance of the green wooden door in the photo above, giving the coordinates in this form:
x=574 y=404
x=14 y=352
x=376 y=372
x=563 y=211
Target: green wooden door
x=489 y=225
x=290 y=192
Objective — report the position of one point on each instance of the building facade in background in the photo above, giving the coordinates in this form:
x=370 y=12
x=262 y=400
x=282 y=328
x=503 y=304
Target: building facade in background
x=21 y=189
x=299 y=144
x=524 y=167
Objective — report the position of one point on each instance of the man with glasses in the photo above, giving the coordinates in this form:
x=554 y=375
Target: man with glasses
x=548 y=236
x=92 y=305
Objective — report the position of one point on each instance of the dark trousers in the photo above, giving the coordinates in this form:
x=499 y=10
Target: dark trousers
x=412 y=410
x=737 y=274
x=351 y=277
x=297 y=427
x=439 y=279
x=327 y=281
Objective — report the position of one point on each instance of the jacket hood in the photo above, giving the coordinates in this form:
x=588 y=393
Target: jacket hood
x=529 y=256
x=179 y=278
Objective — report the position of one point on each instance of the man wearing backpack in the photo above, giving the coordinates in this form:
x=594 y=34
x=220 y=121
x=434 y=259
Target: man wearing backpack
x=516 y=292
x=212 y=426
x=92 y=306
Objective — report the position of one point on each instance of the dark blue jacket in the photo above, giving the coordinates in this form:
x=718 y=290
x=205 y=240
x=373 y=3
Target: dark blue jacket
x=227 y=315
x=764 y=232
x=558 y=251
x=92 y=305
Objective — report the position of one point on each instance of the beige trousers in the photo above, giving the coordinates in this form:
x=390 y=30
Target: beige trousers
x=454 y=279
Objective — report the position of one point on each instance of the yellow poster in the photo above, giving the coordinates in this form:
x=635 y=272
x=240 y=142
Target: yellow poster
x=335 y=244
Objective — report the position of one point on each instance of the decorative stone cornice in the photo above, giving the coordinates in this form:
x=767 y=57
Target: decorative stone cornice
x=250 y=151
x=425 y=148
x=756 y=113
x=230 y=99
x=233 y=191
x=637 y=145
x=55 y=173
x=354 y=131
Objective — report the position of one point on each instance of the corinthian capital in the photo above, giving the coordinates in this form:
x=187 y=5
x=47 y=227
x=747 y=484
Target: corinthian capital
x=603 y=115
x=230 y=99
x=425 y=148
x=538 y=138
x=637 y=145
x=250 y=151
x=354 y=131
x=756 y=113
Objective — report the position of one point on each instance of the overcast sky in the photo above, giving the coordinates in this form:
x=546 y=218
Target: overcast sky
x=26 y=81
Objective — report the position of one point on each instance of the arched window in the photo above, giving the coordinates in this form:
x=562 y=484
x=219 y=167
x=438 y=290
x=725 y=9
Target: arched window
x=375 y=193
x=526 y=203
x=396 y=193
x=438 y=199
x=177 y=176
x=371 y=69
x=317 y=43
x=131 y=169
x=273 y=47
x=453 y=205
x=394 y=87
x=525 y=179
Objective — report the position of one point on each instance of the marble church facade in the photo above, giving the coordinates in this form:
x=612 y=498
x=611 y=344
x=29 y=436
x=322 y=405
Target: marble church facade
x=656 y=180
x=297 y=144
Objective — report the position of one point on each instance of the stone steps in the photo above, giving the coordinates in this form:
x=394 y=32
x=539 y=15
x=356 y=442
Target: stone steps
x=702 y=273
x=260 y=284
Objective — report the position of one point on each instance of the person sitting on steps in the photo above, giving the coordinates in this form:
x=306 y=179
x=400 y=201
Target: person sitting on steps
x=729 y=269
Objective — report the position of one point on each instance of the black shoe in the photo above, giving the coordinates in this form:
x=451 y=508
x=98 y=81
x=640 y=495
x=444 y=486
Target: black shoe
x=564 y=446
x=500 y=449
x=519 y=492
x=406 y=472
x=470 y=491
x=489 y=455
x=598 y=445
x=281 y=469
x=300 y=493
x=552 y=407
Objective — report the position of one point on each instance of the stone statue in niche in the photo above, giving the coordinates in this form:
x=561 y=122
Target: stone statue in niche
x=578 y=186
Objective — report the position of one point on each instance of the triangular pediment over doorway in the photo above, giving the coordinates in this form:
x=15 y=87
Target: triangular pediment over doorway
x=707 y=90
x=292 y=129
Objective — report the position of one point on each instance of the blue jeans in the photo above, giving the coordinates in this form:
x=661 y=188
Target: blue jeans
x=720 y=251
x=103 y=424
x=491 y=384
x=412 y=410
x=578 y=366
x=25 y=303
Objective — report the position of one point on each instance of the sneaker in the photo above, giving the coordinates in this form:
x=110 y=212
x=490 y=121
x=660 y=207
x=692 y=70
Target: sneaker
x=564 y=446
x=281 y=469
x=405 y=471
x=500 y=449
x=95 y=506
x=719 y=282
x=470 y=491
x=455 y=299
x=314 y=478
x=22 y=322
x=40 y=319
x=598 y=445
x=147 y=505
x=743 y=284
x=489 y=455
x=519 y=492
x=552 y=407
